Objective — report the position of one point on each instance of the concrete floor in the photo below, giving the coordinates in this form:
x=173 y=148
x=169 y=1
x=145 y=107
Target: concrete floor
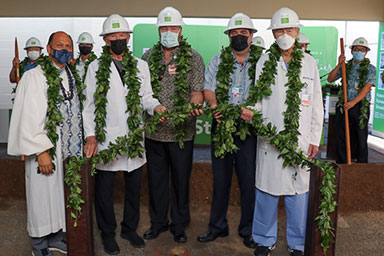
x=359 y=234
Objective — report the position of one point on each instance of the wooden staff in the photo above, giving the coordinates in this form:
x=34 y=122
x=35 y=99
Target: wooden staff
x=17 y=72
x=17 y=65
x=347 y=137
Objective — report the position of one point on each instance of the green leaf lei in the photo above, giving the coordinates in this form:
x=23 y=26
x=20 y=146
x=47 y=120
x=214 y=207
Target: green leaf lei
x=134 y=109
x=363 y=73
x=90 y=58
x=223 y=134
x=54 y=117
x=157 y=70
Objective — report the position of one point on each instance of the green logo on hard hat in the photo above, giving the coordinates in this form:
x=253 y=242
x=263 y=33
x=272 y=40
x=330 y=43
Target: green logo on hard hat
x=284 y=20
x=167 y=19
x=116 y=25
x=33 y=43
x=361 y=42
x=83 y=39
x=258 y=42
x=238 y=22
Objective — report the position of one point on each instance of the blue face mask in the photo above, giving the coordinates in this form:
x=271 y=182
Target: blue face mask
x=62 y=56
x=358 y=56
x=169 y=39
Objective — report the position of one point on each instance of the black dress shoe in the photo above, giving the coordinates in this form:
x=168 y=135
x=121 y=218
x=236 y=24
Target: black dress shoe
x=134 y=239
x=110 y=246
x=210 y=236
x=248 y=241
x=180 y=237
x=152 y=233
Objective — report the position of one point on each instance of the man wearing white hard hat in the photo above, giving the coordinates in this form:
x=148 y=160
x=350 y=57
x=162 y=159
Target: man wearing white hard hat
x=241 y=56
x=303 y=42
x=46 y=140
x=86 y=56
x=294 y=105
x=258 y=41
x=117 y=84
x=33 y=48
x=361 y=76
x=165 y=156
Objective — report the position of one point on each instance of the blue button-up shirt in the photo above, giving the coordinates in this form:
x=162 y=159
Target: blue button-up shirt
x=353 y=80
x=240 y=79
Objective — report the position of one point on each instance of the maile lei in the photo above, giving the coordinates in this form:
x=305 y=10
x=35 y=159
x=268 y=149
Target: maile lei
x=363 y=73
x=134 y=109
x=222 y=136
x=90 y=58
x=54 y=117
x=157 y=70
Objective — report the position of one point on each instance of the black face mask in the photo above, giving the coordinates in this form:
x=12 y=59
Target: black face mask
x=239 y=42
x=119 y=46
x=84 y=50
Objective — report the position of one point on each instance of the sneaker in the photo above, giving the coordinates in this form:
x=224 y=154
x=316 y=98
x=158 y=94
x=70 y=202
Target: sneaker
x=264 y=250
x=41 y=252
x=58 y=246
x=295 y=252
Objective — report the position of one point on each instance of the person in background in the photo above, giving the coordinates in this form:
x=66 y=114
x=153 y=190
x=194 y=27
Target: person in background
x=33 y=48
x=361 y=76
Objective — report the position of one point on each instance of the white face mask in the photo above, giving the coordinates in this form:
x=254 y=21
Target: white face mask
x=33 y=55
x=169 y=39
x=285 y=42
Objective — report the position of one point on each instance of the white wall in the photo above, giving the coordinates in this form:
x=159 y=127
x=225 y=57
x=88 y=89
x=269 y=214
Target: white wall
x=41 y=28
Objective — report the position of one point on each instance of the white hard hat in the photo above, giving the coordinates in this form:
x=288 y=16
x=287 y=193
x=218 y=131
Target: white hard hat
x=115 y=23
x=361 y=41
x=240 y=20
x=169 y=16
x=303 y=39
x=258 y=41
x=85 y=38
x=285 y=18
x=33 y=42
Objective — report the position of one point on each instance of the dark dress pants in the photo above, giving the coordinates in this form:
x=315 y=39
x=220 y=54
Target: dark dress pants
x=167 y=162
x=105 y=213
x=245 y=166
x=358 y=136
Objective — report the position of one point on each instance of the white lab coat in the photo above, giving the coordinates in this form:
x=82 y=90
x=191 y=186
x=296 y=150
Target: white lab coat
x=271 y=177
x=27 y=136
x=116 y=117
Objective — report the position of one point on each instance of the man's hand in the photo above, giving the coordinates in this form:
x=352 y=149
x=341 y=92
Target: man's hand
x=161 y=109
x=312 y=151
x=246 y=114
x=341 y=59
x=349 y=105
x=45 y=163
x=90 y=148
x=196 y=112
x=15 y=61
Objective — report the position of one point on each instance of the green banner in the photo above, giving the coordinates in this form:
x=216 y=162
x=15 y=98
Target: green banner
x=378 y=113
x=323 y=47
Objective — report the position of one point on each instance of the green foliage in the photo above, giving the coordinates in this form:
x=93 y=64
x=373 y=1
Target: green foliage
x=223 y=135
x=363 y=73
x=157 y=69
